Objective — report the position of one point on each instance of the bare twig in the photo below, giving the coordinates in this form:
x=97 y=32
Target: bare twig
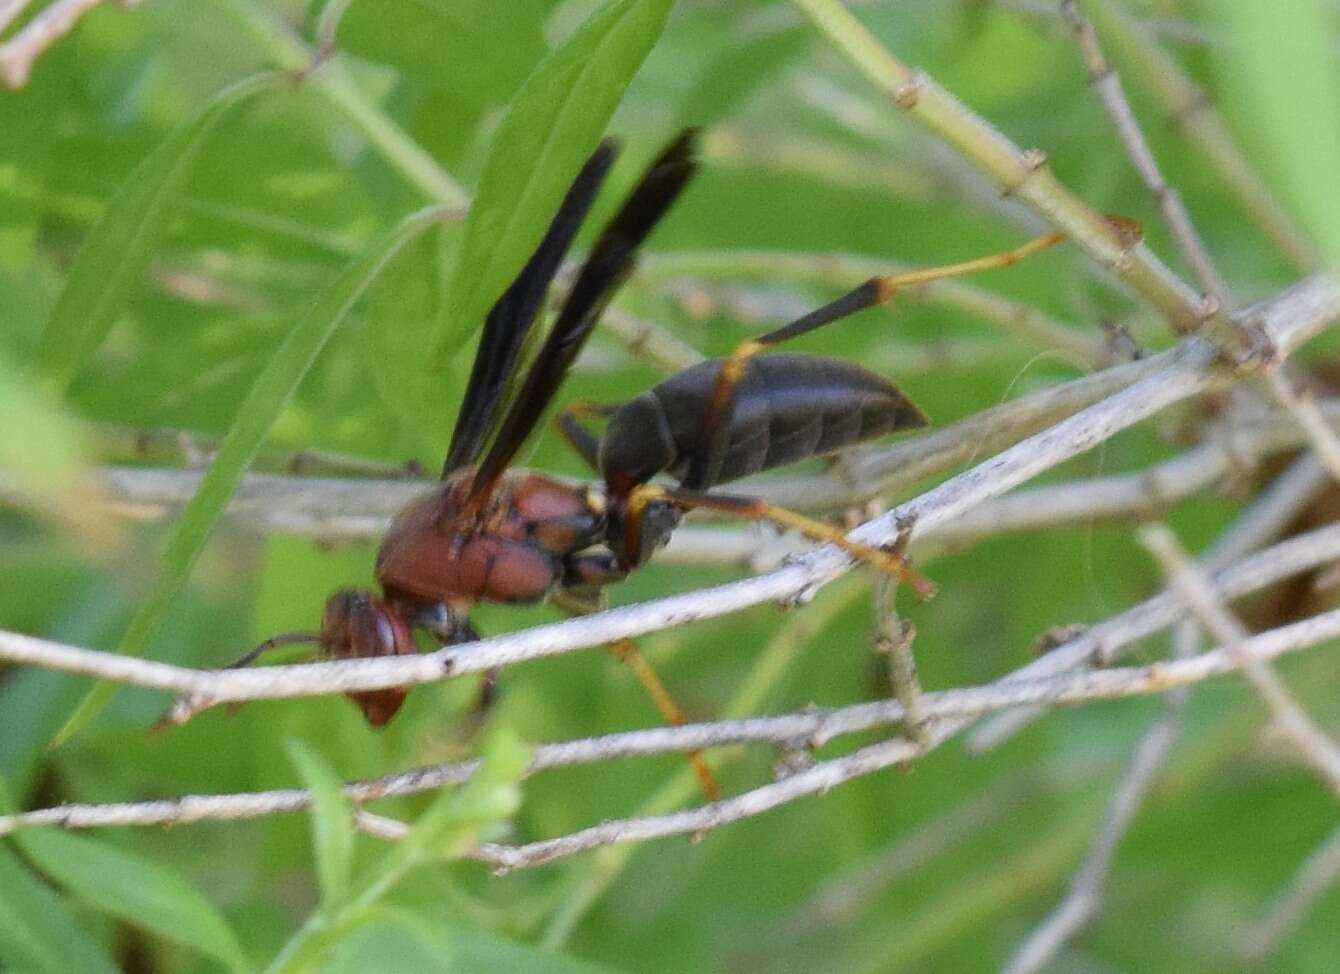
x=893 y=638
x=1082 y=901
x=1108 y=86
x=1265 y=520
x=948 y=712
x=1084 y=897
x=827 y=774
x=1317 y=874
x=1304 y=409
x=18 y=54
x=1190 y=110
x=1191 y=587
x=9 y=11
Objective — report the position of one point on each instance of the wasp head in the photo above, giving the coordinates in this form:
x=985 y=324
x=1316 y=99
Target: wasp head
x=358 y=625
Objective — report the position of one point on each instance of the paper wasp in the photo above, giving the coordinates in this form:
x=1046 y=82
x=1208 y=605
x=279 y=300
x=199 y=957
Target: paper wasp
x=491 y=533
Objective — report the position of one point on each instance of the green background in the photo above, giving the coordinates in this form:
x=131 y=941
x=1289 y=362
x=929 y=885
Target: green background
x=210 y=275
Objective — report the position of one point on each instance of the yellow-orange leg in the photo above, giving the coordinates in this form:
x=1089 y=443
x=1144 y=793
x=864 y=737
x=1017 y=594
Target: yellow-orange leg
x=627 y=653
x=875 y=291
x=757 y=509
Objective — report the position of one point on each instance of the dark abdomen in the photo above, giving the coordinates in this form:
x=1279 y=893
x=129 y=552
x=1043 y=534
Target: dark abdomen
x=788 y=407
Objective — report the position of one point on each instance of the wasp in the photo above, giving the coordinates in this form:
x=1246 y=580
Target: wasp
x=488 y=532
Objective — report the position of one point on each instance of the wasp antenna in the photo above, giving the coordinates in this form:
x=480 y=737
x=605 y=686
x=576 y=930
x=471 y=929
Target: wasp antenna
x=274 y=642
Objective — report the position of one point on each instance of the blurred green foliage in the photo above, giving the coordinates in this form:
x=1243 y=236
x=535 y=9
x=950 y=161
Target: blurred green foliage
x=180 y=251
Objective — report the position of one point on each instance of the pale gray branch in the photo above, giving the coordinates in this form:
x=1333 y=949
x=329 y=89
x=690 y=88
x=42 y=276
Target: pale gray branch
x=1316 y=876
x=947 y=712
x=1191 y=586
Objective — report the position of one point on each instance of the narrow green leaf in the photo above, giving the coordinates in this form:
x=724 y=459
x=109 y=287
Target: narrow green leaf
x=332 y=823
x=550 y=128
x=257 y=414
x=112 y=260
x=456 y=818
x=136 y=890
x=37 y=932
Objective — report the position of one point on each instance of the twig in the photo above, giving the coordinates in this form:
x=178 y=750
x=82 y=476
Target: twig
x=1317 y=874
x=893 y=638
x=1191 y=586
x=9 y=10
x=332 y=509
x=948 y=712
x=1108 y=86
x=827 y=774
x=18 y=54
x=1301 y=553
x=1264 y=520
x=1309 y=417
x=1082 y=901
x=1190 y=110
x=1084 y=898
x=649 y=339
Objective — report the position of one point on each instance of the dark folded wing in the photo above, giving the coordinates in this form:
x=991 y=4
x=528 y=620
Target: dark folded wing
x=610 y=262
x=513 y=317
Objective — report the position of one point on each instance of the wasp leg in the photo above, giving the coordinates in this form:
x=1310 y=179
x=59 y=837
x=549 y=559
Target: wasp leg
x=757 y=509
x=583 y=600
x=714 y=435
x=578 y=436
x=286 y=639
x=437 y=619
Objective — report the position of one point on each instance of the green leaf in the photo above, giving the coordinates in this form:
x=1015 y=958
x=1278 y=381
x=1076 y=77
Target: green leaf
x=451 y=43
x=268 y=395
x=453 y=822
x=37 y=932
x=112 y=260
x=133 y=889
x=550 y=128
x=332 y=822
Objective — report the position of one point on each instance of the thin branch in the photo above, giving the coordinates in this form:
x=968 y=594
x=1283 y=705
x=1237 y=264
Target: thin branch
x=1108 y=86
x=1304 y=409
x=824 y=775
x=1191 y=111
x=1317 y=875
x=10 y=10
x=1084 y=898
x=1191 y=586
x=893 y=639
x=1265 y=520
x=947 y=713
x=1085 y=895
x=18 y=54
x=334 y=510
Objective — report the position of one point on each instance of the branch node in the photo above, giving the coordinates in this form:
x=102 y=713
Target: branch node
x=905 y=96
